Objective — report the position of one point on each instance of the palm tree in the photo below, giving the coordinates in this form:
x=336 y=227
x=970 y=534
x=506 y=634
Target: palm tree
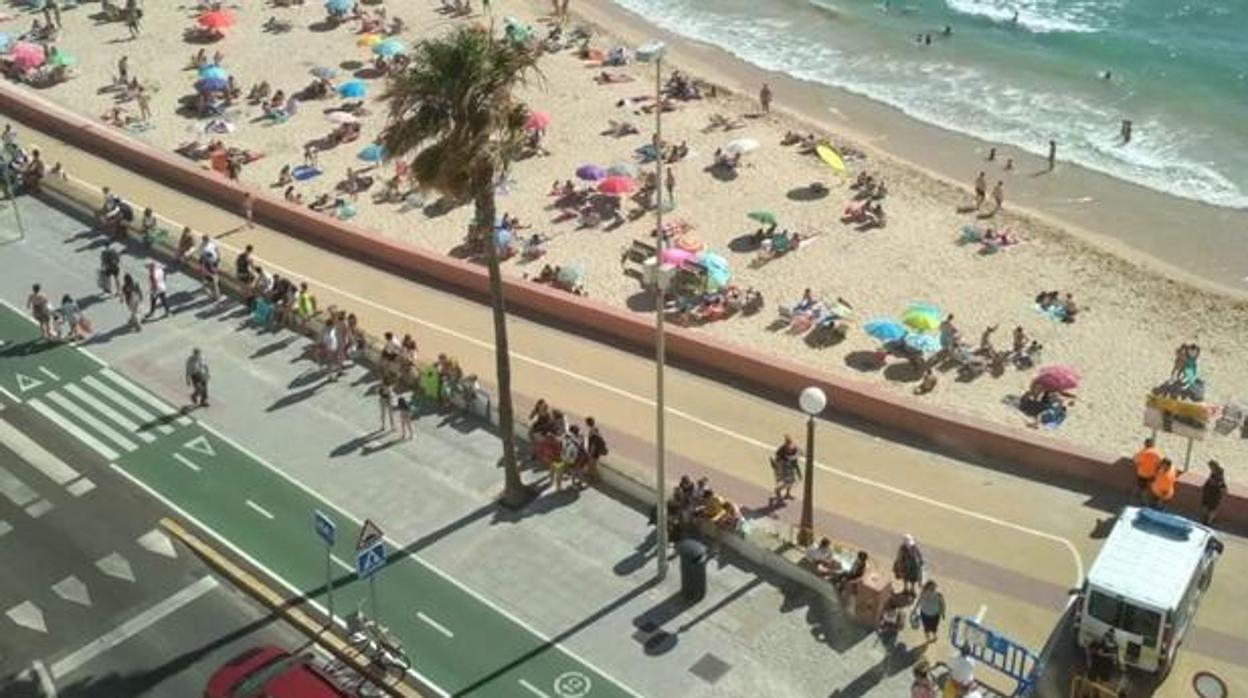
x=454 y=106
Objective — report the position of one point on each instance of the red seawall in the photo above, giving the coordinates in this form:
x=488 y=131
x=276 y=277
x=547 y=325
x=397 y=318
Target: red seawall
x=961 y=434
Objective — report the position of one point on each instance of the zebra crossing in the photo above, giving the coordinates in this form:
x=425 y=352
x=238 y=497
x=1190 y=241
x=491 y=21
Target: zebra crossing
x=107 y=413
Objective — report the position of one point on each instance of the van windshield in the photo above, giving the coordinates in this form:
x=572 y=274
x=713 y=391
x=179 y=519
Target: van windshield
x=1124 y=616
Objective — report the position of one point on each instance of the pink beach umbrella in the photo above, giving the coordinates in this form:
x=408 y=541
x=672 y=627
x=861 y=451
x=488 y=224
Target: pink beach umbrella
x=615 y=186
x=26 y=55
x=537 y=121
x=676 y=256
x=1057 y=378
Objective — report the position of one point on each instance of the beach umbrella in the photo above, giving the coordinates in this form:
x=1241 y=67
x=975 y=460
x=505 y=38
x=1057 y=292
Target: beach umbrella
x=26 y=55
x=213 y=71
x=885 y=329
x=390 y=47
x=717 y=271
x=741 y=146
x=590 y=173
x=369 y=40
x=764 y=217
x=5 y=40
x=537 y=121
x=675 y=256
x=62 y=58
x=372 y=153
x=570 y=275
x=323 y=72
x=353 y=89
x=211 y=84
x=919 y=320
x=1056 y=378
x=339 y=6
x=615 y=186
x=217 y=19
x=830 y=157
x=923 y=343
x=622 y=169
x=342 y=117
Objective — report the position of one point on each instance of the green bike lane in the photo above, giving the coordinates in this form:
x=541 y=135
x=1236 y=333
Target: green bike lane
x=458 y=642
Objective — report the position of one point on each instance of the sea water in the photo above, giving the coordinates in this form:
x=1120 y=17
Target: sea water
x=1023 y=72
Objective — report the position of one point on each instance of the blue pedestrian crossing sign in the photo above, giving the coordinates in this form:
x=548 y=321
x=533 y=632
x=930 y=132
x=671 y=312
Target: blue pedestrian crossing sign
x=370 y=559
x=324 y=526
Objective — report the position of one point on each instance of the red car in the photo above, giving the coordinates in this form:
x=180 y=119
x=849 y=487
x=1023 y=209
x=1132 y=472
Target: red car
x=270 y=672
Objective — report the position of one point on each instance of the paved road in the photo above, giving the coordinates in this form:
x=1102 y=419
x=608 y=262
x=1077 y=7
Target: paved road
x=253 y=507
x=101 y=600
x=1009 y=544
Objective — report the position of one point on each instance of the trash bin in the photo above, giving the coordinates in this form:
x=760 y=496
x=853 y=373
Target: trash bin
x=692 y=569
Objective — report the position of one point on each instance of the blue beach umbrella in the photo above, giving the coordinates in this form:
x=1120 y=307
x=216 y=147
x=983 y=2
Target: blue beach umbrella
x=339 y=5
x=885 y=329
x=213 y=71
x=923 y=343
x=211 y=84
x=5 y=40
x=389 y=47
x=353 y=89
x=372 y=153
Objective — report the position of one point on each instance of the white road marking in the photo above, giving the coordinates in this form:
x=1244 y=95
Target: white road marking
x=72 y=589
x=27 y=615
x=36 y=456
x=25 y=383
x=200 y=444
x=72 y=662
x=123 y=402
x=341 y=563
x=49 y=374
x=12 y=398
x=143 y=396
x=1078 y=559
x=113 y=415
x=5 y=528
x=435 y=624
x=533 y=689
x=260 y=510
x=429 y=566
x=74 y=430
x=157 y=542
x=45 y=679
x=16 y=491
x=39 y=508
x=114 y=565
x=253 y=561
x=186 y=461
x=91 y=420
x=80 y=487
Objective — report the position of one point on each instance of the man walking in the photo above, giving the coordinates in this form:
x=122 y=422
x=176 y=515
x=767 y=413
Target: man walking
x=1052 y=155
x=981 y=191
x=156 y=288
x=197 y=378
x=764 y=98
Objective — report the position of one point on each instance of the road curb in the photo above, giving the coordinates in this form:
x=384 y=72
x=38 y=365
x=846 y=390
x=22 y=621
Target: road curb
x=289 y=609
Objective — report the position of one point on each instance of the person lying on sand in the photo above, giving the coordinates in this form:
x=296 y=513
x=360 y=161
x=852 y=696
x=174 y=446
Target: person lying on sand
x=609 y=78
x=259 y=92
x=277 y=26
x=119 y=117
x=292 y=196
x=719 y=121
x=619 y=129
x=791 y=137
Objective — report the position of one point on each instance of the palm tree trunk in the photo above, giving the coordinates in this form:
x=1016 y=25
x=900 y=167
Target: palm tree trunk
x=515 y=493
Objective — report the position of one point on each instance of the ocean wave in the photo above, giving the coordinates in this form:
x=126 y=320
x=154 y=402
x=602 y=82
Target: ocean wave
x=1040 y=16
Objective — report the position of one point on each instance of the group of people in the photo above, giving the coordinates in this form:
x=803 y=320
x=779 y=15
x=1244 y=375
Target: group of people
x=24 y=170
x=693 y=502
x=1061 y=306
x=566 y=450
x=1156 y=479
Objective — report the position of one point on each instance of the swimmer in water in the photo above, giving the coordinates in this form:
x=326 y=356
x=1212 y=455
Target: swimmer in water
x=948 y=30
x=1014 y=19
x=1106 y=75
x=1126 y=131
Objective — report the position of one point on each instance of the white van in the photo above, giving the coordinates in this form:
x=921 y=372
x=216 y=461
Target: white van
x=1146 y=584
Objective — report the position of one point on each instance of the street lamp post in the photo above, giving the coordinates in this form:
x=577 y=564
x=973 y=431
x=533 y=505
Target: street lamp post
x=654 y=52
x=812 y=401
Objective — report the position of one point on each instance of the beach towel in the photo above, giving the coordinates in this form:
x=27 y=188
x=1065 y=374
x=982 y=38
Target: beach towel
x=1055 y=312
x=304 y=172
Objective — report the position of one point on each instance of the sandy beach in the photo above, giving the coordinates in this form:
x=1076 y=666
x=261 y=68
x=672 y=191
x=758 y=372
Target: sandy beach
x=1135 y=310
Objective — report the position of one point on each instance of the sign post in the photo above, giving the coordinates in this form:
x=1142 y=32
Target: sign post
x=370 y=556
x=325 y=530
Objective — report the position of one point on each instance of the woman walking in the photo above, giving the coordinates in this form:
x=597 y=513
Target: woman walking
x=385 y=400
x=132 y=296
x=931 y=610
x=38 y=304
x=908 y=565
x=784 y=463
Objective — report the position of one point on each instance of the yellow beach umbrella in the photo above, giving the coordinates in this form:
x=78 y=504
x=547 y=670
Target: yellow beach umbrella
x=368 y=40
x=831 y=157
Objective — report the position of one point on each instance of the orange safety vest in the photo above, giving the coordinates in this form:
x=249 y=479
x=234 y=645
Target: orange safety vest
x=1163 y=484
x=1146 y=463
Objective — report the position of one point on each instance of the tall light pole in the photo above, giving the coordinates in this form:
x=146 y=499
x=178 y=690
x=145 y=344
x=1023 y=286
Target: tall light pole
x=653 y=52
x=812 y=401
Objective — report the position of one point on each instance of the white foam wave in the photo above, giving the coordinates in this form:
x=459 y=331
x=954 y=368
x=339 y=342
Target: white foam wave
x=1040 y=16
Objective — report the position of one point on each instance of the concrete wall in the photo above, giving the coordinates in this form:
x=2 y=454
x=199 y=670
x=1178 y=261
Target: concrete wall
x=1045 y=457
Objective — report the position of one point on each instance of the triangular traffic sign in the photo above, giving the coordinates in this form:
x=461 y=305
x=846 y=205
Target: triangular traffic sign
x=200 y=444
x=26 y=383
x=369 y=534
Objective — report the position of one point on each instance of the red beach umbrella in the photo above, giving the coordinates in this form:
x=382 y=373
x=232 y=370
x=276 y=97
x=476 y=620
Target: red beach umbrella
x=616 y=186
x=217 y=19
x=537 y=121
x=1057 y=378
